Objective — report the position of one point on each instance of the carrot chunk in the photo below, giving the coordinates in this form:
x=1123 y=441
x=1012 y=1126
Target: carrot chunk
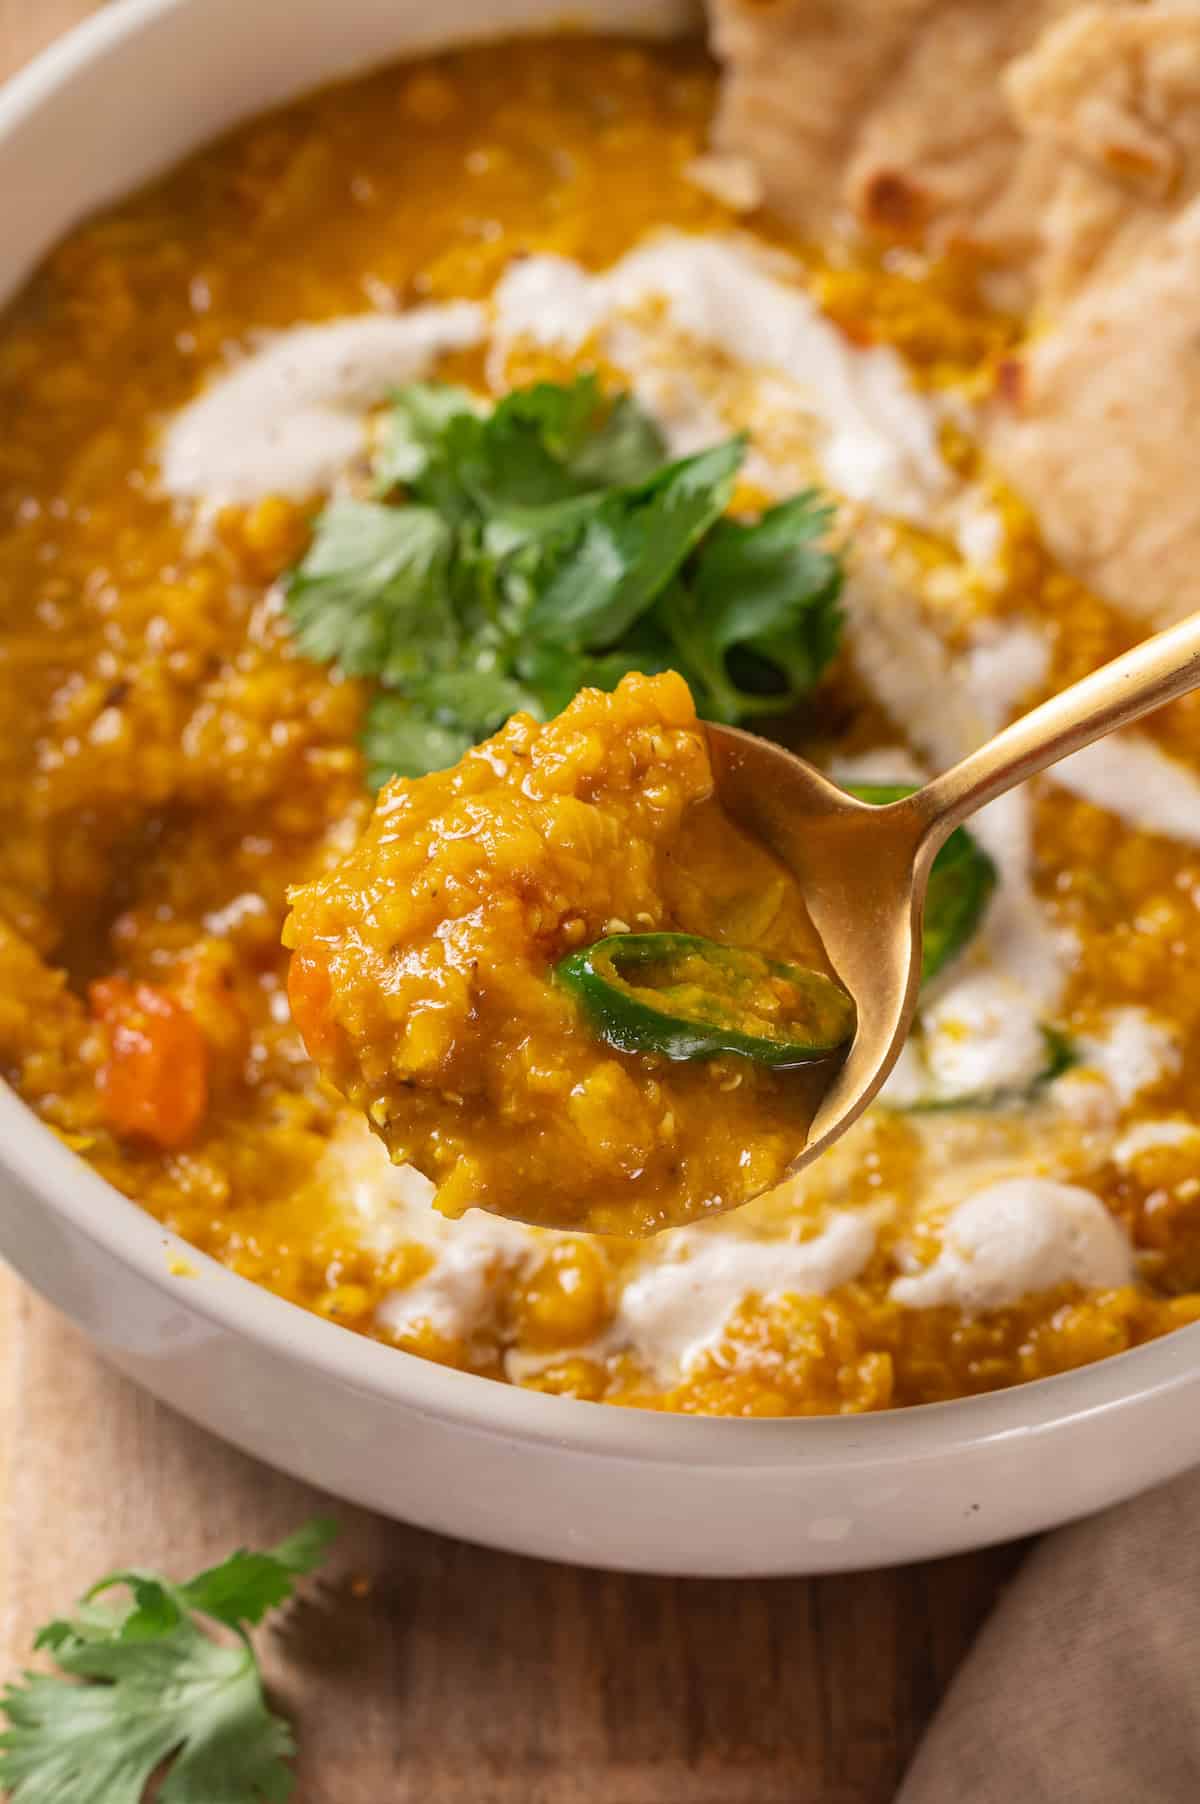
x=154 y=1082
x=310 y=993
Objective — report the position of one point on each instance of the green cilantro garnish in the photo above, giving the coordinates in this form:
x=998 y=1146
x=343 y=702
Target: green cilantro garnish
x=158 y=1687
x=513 y=557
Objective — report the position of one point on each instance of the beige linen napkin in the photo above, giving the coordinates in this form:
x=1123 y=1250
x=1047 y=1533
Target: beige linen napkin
x=1084 y=1686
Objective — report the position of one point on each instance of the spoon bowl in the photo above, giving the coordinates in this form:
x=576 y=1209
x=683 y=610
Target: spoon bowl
x=864 y=869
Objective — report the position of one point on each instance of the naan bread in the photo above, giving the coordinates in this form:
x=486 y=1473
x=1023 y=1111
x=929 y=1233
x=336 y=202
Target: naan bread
x=890 y=115
x=1062 y=143
x=1099 y=431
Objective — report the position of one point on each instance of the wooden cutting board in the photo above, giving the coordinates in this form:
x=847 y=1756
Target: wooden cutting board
x=423 y=1671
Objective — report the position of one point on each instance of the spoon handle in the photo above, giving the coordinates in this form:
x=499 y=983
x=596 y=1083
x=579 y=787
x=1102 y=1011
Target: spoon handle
x=1156 y=671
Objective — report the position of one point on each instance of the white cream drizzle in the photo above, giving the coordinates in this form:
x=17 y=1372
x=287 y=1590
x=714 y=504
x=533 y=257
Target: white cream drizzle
x=290 y=416
x=980 y=1035
x=1133 y=778
x=393 y=1205
x=1133 y=1051
x=678 y=1305
x=675 y=1303
x=1014 y=1239
x=1146 y=1136
x=880 y=436
x=1002 y=665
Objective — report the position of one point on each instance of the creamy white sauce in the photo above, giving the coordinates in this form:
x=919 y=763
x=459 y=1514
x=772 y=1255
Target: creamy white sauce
x=288 y=418
x=454 y=1298
x=968 y=1041
x=393 y=1205
x=1134 y=779
x=1134 y=1051
x=1016 y=1238
x=1145 y=1136
x=1002 y=664
x=1085 y=1097
x=1126 y=773
x=980 y=1029
x=908 y=668
x=1018 y=937
x=689 y=419
x=676 y=1302
x=678 y=1305
x=880 y=435
x=947 y=706
x=908 y=1080
x=981 y=1035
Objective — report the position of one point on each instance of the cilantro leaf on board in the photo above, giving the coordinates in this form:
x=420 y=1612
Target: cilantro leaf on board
x=515 y=556
x=154 y=1687
x=248 y=1584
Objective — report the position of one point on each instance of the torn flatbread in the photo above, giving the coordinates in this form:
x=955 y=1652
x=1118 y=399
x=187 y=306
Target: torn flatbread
x=1061 y=143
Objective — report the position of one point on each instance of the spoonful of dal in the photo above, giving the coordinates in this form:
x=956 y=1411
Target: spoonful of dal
x=624 y=970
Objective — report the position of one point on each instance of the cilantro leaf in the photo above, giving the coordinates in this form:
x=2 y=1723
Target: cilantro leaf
x=373 y=592
x=400 y=738
x=552 y=443
x=625 y=449
x=155 y=1687
x=518 y=555
x=541 y=447
x=553 y=677
x=630 y=550
x=524 y=454
x=758 y=619
x=421 y=419
x=248 y=1584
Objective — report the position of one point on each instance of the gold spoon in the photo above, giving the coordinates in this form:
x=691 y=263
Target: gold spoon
x=864 y=869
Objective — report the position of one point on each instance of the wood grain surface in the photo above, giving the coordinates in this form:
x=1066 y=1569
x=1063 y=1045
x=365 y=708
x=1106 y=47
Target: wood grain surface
x=423 y=1671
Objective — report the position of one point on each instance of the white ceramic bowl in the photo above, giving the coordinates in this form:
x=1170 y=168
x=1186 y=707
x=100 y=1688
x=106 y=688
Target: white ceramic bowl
x=143 y=82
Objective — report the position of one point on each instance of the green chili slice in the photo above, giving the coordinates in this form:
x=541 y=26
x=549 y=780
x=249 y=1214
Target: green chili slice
x=690 y=998
x=960 y=884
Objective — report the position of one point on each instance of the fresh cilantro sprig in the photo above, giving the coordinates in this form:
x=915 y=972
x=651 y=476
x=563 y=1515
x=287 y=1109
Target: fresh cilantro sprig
x=157 y=1687
x=514 y=556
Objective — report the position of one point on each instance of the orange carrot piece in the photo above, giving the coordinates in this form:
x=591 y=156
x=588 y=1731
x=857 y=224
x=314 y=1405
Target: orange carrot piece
x=154 y=1082
x=310 y=993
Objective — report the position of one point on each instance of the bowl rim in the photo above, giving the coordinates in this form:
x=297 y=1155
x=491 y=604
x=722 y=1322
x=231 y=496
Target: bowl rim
x=64 y=1183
